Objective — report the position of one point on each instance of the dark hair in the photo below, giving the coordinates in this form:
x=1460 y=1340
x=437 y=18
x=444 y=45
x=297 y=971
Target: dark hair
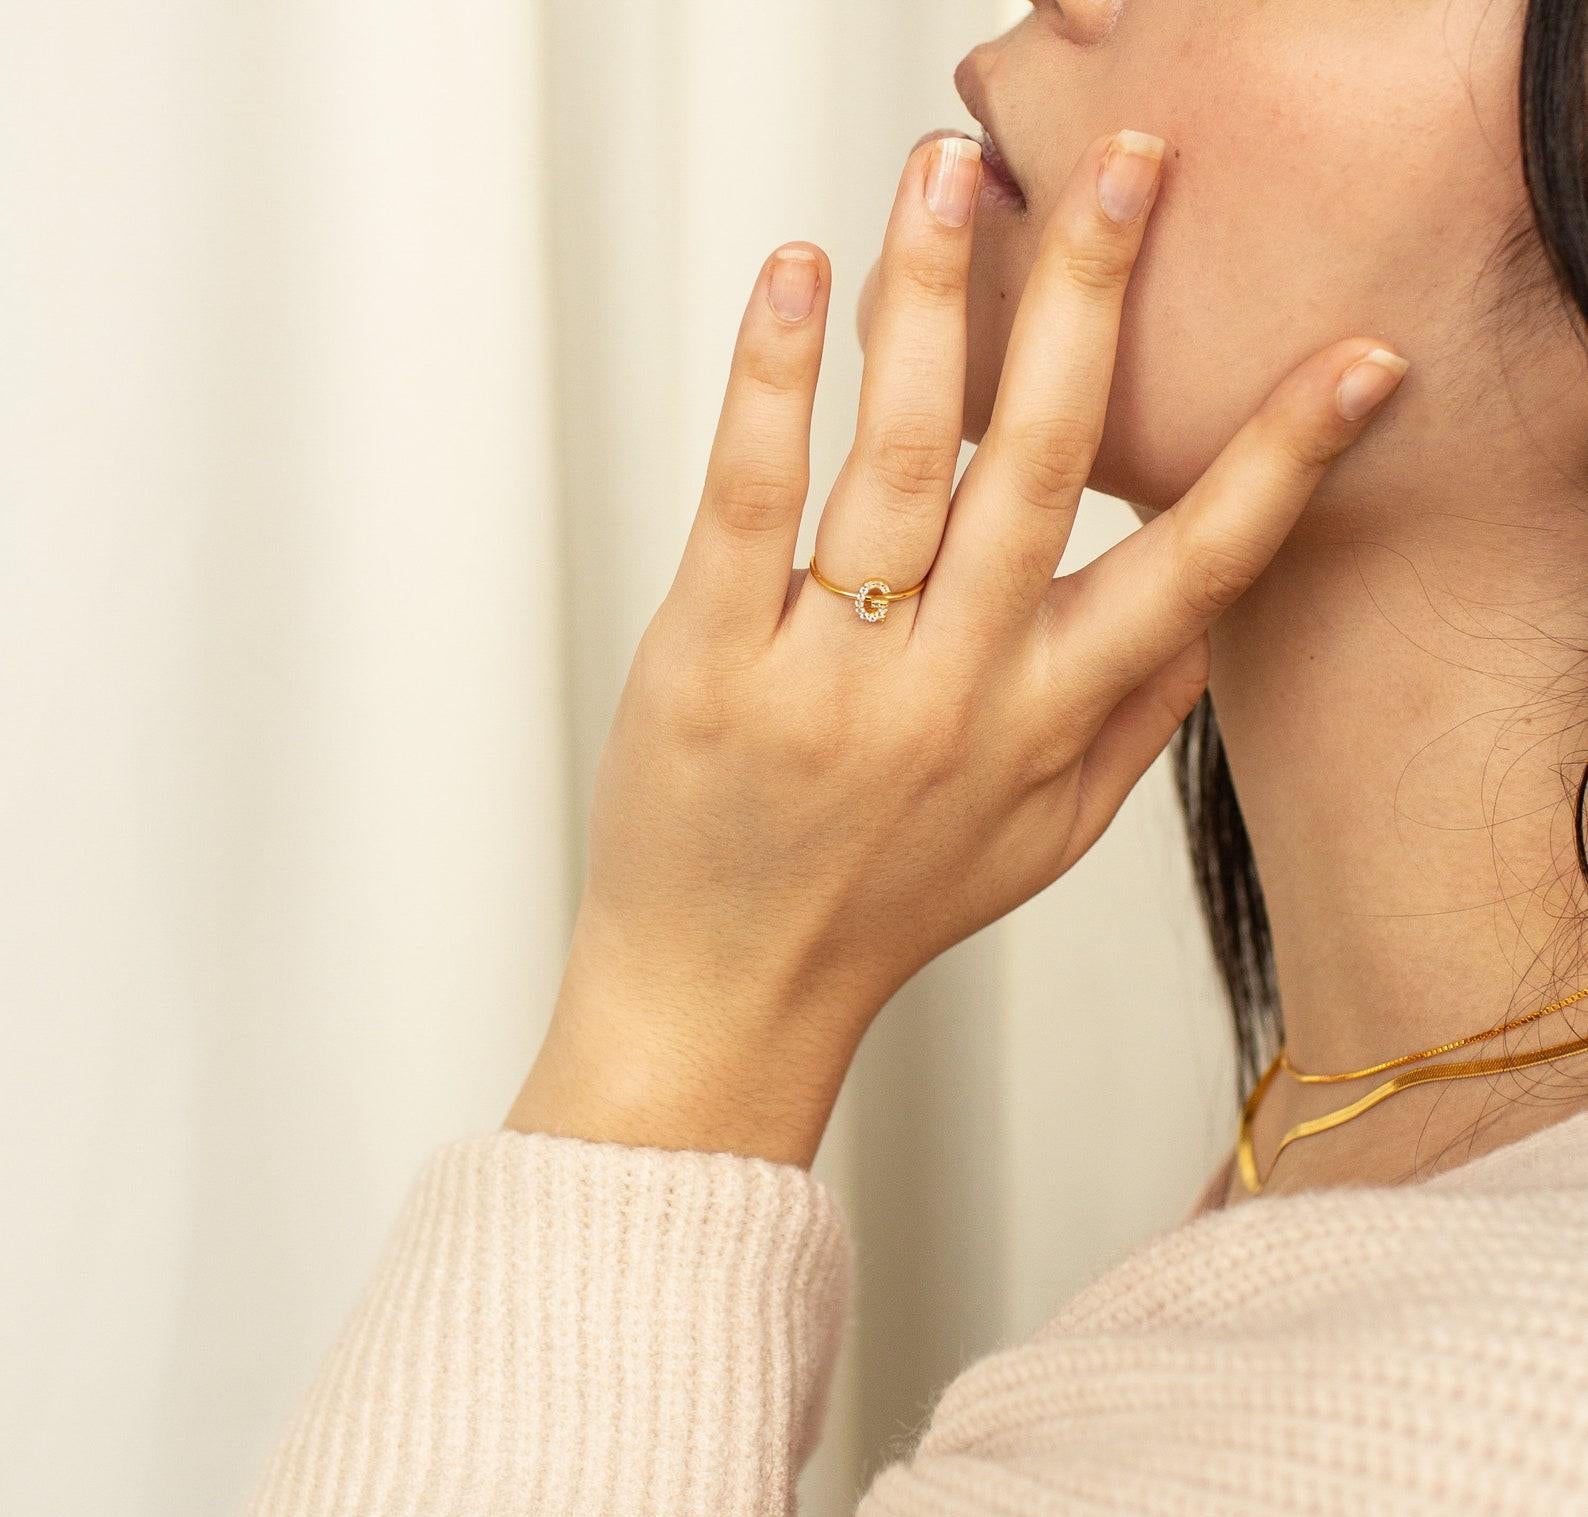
x=1553 y=116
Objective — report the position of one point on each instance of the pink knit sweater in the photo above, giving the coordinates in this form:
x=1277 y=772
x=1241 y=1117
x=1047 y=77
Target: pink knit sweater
x=566 y=1329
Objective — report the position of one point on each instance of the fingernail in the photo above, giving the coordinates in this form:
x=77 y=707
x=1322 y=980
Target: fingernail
x=1130 y=169
x=951 y=179
x=1369 y=382
x=791 y=291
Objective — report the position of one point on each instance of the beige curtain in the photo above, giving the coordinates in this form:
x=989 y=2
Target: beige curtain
x=358 y=365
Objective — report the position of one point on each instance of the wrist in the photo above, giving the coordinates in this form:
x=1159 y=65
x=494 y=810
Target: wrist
x=664 y=1060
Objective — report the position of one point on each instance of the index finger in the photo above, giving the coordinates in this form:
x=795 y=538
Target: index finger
x=745 y=529
x=1009 y=526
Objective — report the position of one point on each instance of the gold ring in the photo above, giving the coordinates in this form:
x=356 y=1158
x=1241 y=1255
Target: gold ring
x=871 y=599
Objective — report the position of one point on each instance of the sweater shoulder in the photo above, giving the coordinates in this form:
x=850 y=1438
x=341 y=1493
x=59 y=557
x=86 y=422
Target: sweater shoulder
x=1300 y=1344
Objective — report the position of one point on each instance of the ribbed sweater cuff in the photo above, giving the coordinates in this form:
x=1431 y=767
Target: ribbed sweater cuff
x=575 y=1328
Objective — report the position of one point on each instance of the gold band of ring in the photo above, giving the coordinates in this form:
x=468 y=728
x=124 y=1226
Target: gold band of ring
x=871 y=599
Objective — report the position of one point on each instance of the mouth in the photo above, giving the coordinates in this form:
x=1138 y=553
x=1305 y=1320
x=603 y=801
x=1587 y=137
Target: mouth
x=998 y=185
x=998 y=179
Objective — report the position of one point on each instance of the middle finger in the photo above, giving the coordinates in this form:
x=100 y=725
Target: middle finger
x=1017 y=502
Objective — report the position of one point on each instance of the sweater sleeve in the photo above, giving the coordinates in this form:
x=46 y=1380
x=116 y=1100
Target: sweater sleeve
x=572 y=1328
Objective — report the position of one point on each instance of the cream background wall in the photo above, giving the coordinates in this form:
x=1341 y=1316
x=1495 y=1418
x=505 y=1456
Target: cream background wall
x=358 y=364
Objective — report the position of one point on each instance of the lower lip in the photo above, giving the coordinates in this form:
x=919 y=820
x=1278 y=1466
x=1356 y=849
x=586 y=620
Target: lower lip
x=997 y=184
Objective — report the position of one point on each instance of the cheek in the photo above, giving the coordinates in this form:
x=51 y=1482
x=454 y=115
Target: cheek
x=1363 y=199
x=1323 y=182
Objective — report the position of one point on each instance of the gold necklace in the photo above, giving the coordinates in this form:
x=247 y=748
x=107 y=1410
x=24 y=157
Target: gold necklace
x=1461 y=1070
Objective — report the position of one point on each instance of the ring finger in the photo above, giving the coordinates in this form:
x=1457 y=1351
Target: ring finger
x=885 y=516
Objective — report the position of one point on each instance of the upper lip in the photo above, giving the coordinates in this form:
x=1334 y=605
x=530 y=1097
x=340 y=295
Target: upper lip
x=967 y=80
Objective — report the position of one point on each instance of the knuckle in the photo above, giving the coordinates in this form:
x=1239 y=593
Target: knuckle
x=1099 y=265
x=911 y=457
x=1306 y=449
x=1049 y=457
x=927 y=277
x=773 y=369
x=1215 y=573
x=755 y=495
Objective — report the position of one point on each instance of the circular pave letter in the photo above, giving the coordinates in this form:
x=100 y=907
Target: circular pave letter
x=868 y=609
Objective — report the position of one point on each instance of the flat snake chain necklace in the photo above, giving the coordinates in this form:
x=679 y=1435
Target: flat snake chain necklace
x=1454 y=1071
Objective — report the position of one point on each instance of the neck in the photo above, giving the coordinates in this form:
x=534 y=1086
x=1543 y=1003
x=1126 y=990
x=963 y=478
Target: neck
x=1401 y=699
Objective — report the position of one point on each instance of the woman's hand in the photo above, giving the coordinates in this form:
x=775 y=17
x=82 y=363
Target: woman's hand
x=797 y=809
